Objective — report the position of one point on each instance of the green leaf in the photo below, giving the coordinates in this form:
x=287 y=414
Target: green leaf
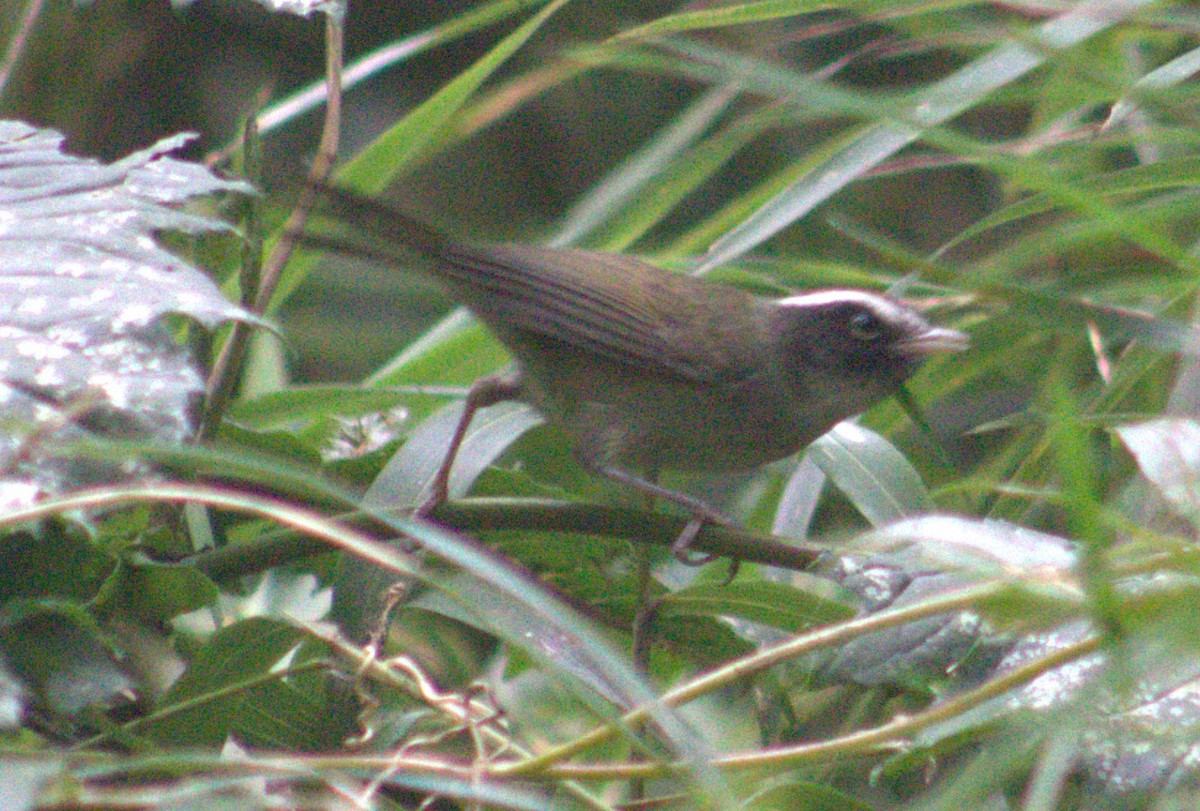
x=52 y=561
x=156 y=592
x=641 y=191
x=764 y=601
x=232 y=687
x=57 y=650
x=798 y=502
x=926 y=109
x=390 y=155
x=986 y=548
x=292 y=406
x=529 y=605
x=1167 y=452
x=455 y=351
x=390 y=55
x=725 y=15
x=871 y=473
x=407 y=477
x=25 y=779
x=803 y=796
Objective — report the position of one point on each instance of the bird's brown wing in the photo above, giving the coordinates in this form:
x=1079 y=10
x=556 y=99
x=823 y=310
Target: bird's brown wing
x=616 y=306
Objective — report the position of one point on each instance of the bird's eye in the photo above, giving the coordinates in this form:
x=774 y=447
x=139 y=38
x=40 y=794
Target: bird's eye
x=866 y=326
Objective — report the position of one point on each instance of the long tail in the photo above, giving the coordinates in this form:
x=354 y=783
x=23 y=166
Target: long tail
x=349 y=223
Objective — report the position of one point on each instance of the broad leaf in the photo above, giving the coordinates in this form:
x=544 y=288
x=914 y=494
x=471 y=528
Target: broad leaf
x=83 y=290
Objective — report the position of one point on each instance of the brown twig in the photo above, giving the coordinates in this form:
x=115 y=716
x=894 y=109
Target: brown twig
x=226 y=372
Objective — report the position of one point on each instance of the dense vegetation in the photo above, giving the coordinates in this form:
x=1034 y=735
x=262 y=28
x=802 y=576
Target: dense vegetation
x=1001 y=615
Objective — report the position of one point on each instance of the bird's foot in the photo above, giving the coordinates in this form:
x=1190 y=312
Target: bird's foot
x=701 y=514
x=681 y=548
x=424 y=510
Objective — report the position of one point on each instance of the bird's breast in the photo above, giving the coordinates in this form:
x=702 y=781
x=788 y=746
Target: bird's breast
x=616 y=414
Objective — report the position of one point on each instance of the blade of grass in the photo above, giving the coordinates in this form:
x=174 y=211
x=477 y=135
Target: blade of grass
x=926 y=109
x=394 y=152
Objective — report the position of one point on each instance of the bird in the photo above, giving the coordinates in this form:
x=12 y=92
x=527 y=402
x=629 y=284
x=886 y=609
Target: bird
x=643 y=368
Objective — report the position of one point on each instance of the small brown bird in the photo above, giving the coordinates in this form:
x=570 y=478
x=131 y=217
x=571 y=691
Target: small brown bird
x=649 y=370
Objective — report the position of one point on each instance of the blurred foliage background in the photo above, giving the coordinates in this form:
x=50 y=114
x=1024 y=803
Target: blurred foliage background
x=118 y=75
x=1026 y=568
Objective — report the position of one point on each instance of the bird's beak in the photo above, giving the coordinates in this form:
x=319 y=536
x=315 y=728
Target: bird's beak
x=933 y=341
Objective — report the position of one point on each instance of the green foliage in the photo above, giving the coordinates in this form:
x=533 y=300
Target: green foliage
x=1027 y=173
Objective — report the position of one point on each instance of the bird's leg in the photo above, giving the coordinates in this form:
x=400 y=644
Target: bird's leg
x=483 y=393
x=642 y=631
x=647 y=615
x=701 y=513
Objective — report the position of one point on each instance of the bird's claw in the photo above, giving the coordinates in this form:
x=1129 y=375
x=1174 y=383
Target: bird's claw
x=681 y=548
x=424 y=510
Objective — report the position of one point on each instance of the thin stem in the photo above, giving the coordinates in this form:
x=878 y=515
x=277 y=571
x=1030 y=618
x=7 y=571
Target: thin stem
x=16 y=45
x=226 y=371
x=755 y=663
